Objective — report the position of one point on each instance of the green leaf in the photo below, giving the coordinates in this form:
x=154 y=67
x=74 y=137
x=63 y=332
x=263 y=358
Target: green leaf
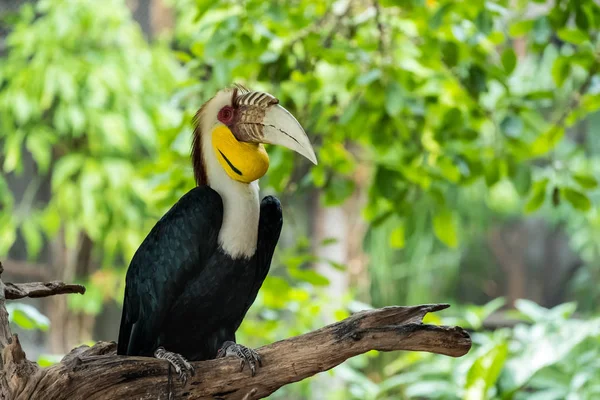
x=547 y=141
x=521 y=28
x=522 y=179
x=22 y=107
x=33 y=238
x=531 y=310
x=450 y=53
x=491 y=173
x=65 y=168
x=509 y=60
x=577 y=199
x=438 y=17
x=8 y=233
x=182 y=56
x=538 y=195
x=47 y=360
x=540 y=95
x=533 y=355
x=369 y=77
x=560 y=70
x=445 y=228
x=319 y=176
x=572 y=35
x=12 y=149
x=477 y=81
x=484 y=22
x=397 y=237
x=41 y=150
x=485 y=371
x=585 y=181
x=448 y=169
x=27 y=317
x=393 y=99
x=581 y=19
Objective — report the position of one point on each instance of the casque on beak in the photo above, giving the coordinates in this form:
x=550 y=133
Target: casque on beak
x=262 y=120
x=281 y=128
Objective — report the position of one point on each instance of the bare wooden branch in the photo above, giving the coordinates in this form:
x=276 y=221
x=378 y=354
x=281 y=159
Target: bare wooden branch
x=15 y=291
x=89 y=373
x=97 y=373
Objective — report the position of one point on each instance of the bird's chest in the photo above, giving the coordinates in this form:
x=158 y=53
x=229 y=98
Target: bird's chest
x=221 y=293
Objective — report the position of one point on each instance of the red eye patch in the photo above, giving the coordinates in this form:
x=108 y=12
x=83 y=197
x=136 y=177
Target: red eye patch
x=226 y=115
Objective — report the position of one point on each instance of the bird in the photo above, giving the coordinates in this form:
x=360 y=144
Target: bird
x=192 y=280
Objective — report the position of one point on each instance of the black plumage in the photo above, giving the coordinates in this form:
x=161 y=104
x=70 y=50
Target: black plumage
x=183 y=292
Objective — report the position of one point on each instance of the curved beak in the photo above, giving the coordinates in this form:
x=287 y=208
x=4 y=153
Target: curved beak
x=281 y=128
x=277 y=126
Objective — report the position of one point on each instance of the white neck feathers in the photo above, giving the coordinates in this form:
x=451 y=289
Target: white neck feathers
x=241 y=204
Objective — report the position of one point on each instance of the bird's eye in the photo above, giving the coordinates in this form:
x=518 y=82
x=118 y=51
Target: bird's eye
x=225 y=115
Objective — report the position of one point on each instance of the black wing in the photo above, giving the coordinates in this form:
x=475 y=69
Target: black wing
x=269 y=229
x=180 y=243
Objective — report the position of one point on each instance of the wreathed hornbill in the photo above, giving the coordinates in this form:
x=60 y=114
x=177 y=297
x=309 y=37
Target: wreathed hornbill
x=196 y=274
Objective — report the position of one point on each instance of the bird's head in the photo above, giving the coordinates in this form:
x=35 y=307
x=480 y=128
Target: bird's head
x=230 y=130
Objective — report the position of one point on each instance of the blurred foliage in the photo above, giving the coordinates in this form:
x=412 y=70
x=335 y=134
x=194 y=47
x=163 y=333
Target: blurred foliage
x=552 y=355
x=84 y=94
x=433 y=95
x=27 y=317
x=464 y=113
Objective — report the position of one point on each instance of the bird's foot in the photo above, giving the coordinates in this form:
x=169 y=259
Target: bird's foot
x=246 y=355
x=182 y=367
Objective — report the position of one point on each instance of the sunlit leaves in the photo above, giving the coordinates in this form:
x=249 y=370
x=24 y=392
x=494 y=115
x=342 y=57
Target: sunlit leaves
x=560 y=70
x=81 y=84
x=27 y=317
x=12 y=151
x=66 y=167
x=585 y=181
x=574 y=36
x=547 y=140
x=445 y=226
x=39 y=145
x=577 y=199
x=509 y=60
x=393 y=99
x=397 y=239
x=521 y=28
x=537 y=197
x=8 y=232
x=484 y=372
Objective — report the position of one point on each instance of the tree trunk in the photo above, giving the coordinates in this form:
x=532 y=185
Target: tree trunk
x=70 y=328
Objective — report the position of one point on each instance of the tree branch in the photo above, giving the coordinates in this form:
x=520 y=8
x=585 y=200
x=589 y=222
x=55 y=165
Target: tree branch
x=14 y=291
x=96 y=372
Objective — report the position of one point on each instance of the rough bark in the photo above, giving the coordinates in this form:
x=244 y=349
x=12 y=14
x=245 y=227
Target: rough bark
x=89 y=373
x=38 y=289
